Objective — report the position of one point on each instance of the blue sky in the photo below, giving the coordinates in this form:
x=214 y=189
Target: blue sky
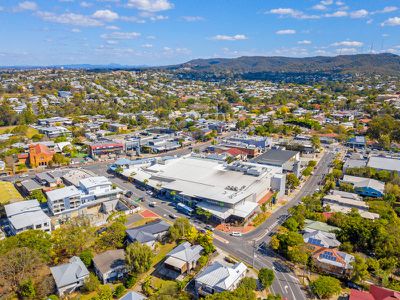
x=161 y=32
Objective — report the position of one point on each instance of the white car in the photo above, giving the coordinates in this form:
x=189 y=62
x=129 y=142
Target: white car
x=236 y=233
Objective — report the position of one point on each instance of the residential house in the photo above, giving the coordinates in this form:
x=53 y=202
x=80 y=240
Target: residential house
x=25 y=215
x=54 y=131
x=375 y=293
x=183 y=258
x=339 y=201
x=28 y=186
x=149 y=233
x=311 y=225
x=39 y=155
x=365 y=187
x=316 y=239
x=217 y=278
x=333 y=261
x=384 y=163
x=63 y=200
x=110 y=266
x=116 y=127
x=357 y=142
x=70 y=276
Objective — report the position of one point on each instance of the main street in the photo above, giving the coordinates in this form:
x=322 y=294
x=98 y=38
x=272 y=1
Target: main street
x=245 y=248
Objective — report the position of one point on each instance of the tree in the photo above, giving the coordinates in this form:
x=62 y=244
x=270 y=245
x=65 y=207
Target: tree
x=181 y=229
x=266 y=277
x=316 y=142
x=206 y=241
x=138 y=257
x=86 y=257
x=27 y=289
x=113 y=237
x=104 y=292
x=360 y=269
x=292 y=181
x=119 y=291
x=60 y=160
x=325 y=286
x=17 y=265
x=38 y=195
x=91 y=283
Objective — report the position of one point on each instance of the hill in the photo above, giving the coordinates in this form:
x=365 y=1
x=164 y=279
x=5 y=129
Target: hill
x=385 y=64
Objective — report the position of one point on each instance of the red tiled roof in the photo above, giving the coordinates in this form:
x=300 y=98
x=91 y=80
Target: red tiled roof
x=360 y=295
x=265 y=198
x=39 y=148
x=22 y=155
x=235 y=152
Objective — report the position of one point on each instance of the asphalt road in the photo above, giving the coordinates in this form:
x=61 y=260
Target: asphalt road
x=245 y=248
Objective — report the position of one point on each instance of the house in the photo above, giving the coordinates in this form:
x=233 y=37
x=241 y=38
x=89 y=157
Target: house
x=311 y=225
x=321 y=239
x=25 y=215
x=105 y=148
x=54 y=131
x=116 y=127
x=374 y=293
x=28 y=186
x=110 y=266
x=183 y=258
x=133 y=296
x=357 y=142
x=384 y=163
x=49 y=179
x=149 y=233
x=333 y=261
x=70 y=276
x=339 y=201
x=288 y=160
x=39 y=155
x=365 y=187
x=217 y=278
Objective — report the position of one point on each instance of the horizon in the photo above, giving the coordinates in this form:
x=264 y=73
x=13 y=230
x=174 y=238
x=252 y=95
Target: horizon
x=168 y=32
x=180 y=63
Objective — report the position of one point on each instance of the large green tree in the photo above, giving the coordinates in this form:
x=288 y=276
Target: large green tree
x=138 y=257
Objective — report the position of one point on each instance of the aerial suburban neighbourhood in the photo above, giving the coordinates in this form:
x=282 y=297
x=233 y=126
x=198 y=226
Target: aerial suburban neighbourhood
x=262 y=175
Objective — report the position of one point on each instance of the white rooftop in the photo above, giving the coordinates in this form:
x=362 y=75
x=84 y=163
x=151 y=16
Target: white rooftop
x=91 y=182
x=65 y=192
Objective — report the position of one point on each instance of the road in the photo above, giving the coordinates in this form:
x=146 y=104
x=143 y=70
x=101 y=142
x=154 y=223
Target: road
x=246 y=248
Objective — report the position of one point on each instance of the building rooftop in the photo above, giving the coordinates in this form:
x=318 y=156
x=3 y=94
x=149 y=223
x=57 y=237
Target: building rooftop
x=69 y=273
x=109 y=260
x=91 y=182
x=384 y=163
x=275 y=156
x=68 y=191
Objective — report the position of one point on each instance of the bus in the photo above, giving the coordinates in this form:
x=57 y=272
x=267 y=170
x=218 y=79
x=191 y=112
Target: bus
x=184 y=209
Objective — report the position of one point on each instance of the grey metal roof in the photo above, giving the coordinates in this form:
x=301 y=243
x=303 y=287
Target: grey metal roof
x=69 y=273
x=109 y=260
x=145 y=233
x=322 y=239
x=384 y=163
x=31 y=185
x=68 y=191
x=133 y=296
x=220 y=276
x=275 y=156
x=25 y=213
x=186 y=252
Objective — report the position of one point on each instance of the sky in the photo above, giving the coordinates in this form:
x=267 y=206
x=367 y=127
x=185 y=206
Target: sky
x=164 y=32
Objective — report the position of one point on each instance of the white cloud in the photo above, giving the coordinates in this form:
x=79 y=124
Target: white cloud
x=147 y=46
x=286 y=31
x=105 y=15
x=85 y=4
x=150 y=5
x=344 y=51
x=386 y=9
x=348 y=44
x=132 y=19
x=290 y=12
x=304 y=42
x=337 y=14
x=192 y=18
x=27 y=5
x=112 y=27
x=75 y=30
x=319 y=7
x=395 y=21
x=120 y=35
x=69 y=19
x=237 y=37
x=327 y=2
x=362 y=13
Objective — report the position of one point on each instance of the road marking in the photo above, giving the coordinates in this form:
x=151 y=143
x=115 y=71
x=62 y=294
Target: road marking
x=221 y=239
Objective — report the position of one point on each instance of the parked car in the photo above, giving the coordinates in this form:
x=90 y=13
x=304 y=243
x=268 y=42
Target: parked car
x=152 y=204
x=236 y=233
x=209 y=227
x=129 y=194
x=172 y=216
x=150 y=193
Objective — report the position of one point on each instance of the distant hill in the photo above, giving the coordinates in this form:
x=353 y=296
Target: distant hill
x=385 y=64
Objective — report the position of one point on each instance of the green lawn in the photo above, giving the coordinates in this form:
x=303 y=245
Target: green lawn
x=30 y=132
x=8 y=193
